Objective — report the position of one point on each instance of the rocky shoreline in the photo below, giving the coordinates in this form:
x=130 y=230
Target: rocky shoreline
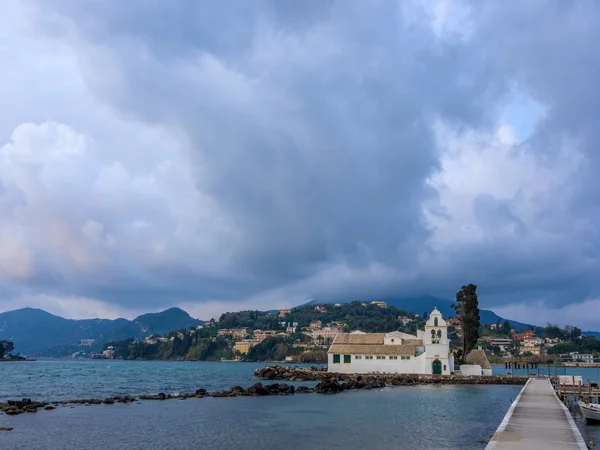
x=293 y=373
x=328 y=383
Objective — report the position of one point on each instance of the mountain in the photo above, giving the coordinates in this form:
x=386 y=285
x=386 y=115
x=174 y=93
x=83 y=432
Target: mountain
x=38 y=333
x=171 y=319
x=426 y=303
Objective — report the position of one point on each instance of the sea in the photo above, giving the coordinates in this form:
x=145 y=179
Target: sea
x=420 y=417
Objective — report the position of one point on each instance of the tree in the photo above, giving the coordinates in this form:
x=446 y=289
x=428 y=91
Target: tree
x=467 y=310
x=506 y=327
x=553 y=331
x=6 y=347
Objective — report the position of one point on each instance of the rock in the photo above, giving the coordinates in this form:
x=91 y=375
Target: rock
x=200 y=392
x=280 y=389
x=20 y=403
x=14 y=412
x=328 y=387
x=6 y=428
x=285 y=373
x=160 y=396
x=49 y=407
x=124 y=399
x=109 y=401
x=270 y=375
x=258 y=389
x=304 y=390
x=220 y=394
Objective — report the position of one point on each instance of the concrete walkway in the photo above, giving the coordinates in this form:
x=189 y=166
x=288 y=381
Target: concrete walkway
x=537 y=420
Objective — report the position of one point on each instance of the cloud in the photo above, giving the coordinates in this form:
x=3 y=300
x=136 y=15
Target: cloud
x=539 y=313
x=368 y=149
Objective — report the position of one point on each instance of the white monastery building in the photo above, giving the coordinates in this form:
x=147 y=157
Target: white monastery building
x=426 y=353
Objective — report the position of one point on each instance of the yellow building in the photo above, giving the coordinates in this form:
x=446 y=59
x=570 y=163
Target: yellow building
x=380 y=304
x=284 y=312
x=244 y=346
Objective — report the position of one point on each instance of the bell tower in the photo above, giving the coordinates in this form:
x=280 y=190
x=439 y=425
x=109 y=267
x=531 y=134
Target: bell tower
x=437 y=348
x=436 y=329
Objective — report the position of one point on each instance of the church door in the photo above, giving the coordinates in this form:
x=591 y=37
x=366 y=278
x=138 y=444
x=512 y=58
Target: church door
x=437 y=367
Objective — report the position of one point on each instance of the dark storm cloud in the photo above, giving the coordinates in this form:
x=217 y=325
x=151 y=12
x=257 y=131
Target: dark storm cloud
x=310 y=137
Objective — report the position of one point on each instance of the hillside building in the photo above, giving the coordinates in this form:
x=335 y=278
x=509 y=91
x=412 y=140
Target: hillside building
x=581 y=357
x=236 y=333
x=325 y=334
x=426 y=353
x=315 y=324
x=380 y=304
x=405 y=320
x=244 y=346
x=529 y=334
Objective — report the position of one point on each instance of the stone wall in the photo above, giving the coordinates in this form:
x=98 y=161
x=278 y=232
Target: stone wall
x=292 y=373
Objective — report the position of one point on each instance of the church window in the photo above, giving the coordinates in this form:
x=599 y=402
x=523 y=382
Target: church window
x=392 y=340
x=435 y=321
x=336 y=359
x=439 y=333
x=432 y=333
x=347 y=359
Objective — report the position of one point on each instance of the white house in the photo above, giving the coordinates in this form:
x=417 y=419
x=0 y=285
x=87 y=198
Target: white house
x=582 y=357
x=426 y=353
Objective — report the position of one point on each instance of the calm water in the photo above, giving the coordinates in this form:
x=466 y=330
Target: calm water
x=50 y=380
x=428 y=417
x=424 y=417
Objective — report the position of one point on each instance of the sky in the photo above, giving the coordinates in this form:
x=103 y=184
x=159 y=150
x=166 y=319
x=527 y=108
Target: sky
x=220 y=156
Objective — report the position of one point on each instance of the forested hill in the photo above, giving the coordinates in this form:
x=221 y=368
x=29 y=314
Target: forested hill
x=354 y=316
x=426 y=303
x=207 y=345
x=38 y=333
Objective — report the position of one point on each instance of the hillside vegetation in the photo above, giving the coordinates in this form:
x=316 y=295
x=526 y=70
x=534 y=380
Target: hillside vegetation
x=204 y=344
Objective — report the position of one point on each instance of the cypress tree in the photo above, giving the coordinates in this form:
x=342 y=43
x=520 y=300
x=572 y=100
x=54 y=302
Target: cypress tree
x=467 y=310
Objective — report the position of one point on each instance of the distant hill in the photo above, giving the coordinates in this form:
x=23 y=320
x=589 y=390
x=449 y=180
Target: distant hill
x=596 y=334
x=38 y=333
x=426 y=303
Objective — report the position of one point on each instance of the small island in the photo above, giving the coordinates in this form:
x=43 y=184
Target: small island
x=6 y=355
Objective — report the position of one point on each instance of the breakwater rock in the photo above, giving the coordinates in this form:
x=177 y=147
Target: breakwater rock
x=14 y=407
x=288 y=373
x=359 y=381
x=26 y=405
x=260 y=390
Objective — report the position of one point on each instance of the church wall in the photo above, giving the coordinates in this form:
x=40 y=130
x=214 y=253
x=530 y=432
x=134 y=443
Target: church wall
x=470 y=370
x=362 y=365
